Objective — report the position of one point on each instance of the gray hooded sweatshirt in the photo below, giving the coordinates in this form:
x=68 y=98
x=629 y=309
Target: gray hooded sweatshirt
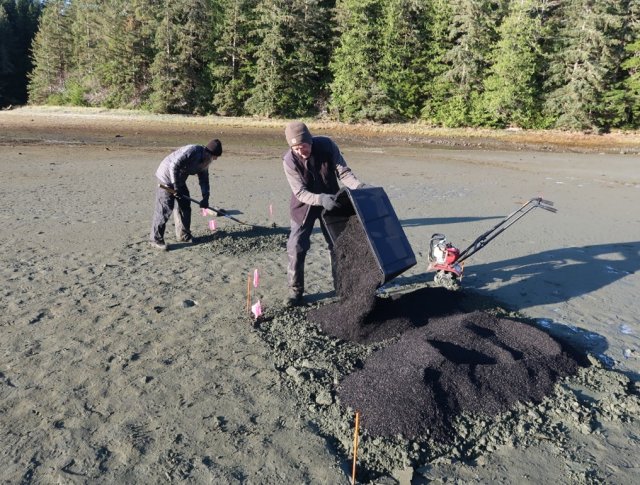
x=185 y=161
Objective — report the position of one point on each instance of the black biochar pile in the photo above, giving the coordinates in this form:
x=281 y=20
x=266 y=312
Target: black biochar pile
x=444 y=362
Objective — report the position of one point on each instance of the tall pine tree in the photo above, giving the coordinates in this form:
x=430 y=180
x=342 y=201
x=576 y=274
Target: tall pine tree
x=127 y=28
x=231 y=67
x=18 y=26
x=180 y=77
x=293 y=45
x=626 y=93
x=511 y=90
x=270 y=54
x=310 y=47
x=6 y=58
x=472 y=33
x=585 y=64
x=438 y=43
x=356 y=90
x=404 y=57
x=52 y=53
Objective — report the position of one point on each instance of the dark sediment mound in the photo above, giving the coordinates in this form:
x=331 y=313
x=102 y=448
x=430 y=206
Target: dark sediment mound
x=445 y=362
x=387 y=317
x=465 y=363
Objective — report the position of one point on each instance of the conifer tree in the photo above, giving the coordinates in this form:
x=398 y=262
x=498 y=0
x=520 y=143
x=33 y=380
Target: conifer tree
x=6 y=61
x=403 y=63
x=272 y=17
x=231 y=66
x=127 y=28
x=472 y=33
x=51 y=53
x=88 y=48
x=292 y=47
x=627 y=91
x=309 y=48
x=180 y=78
x=356 y=90
x=18 y=25
x=111 y=52
x=511 y=90
x=585 y=64
x=438 y=43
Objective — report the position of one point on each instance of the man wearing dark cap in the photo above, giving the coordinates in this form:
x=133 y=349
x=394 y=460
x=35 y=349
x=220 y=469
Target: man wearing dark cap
x=313 y=166
x=173 y=172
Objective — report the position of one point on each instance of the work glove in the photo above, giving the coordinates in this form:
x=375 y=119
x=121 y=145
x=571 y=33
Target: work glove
x=204 y=203
x=329 y=202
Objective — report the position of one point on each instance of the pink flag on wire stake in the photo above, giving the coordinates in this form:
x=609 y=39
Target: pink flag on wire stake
x=203 y=212
x=256 y=278
x=256 y=308
x=212 y=225
x=271 y=211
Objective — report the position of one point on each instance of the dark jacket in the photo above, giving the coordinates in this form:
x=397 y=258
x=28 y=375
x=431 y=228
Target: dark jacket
x=319 y=174
x=185 y=161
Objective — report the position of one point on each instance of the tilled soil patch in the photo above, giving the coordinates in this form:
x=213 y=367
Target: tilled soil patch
x=237 y=240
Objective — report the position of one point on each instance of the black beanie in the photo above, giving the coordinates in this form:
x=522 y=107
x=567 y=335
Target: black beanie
x=214 y=147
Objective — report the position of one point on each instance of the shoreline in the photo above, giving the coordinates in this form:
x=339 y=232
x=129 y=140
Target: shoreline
x=71 y=118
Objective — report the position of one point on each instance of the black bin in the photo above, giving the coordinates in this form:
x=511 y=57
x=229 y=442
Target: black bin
x=384 y=233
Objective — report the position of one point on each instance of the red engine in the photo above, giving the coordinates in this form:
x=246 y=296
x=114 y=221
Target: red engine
x=443 y=256
x=447 y=261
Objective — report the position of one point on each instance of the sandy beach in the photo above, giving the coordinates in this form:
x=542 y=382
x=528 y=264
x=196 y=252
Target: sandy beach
x=121 y=364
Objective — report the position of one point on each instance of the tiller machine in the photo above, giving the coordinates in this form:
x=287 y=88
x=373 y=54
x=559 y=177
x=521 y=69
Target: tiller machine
x=448 y=261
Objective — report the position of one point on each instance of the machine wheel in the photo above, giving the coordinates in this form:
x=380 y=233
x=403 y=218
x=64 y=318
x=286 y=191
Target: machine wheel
x=446 y=280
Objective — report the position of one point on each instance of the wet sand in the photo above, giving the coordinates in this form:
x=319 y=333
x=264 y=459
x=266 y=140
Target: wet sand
x=120 y=364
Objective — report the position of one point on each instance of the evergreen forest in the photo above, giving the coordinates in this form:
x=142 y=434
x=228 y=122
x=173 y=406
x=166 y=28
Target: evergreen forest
x=567 y=64
x=18 y=26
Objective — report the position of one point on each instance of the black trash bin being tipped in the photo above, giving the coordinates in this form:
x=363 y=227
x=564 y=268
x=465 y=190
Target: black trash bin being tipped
x=373 y=210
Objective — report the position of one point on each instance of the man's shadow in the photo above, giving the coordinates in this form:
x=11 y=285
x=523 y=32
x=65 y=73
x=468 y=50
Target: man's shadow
x=440 y=221
x=560 y=274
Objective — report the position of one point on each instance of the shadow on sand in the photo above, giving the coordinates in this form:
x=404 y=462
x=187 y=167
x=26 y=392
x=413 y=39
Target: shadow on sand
x=555 y=276
x=440 y=221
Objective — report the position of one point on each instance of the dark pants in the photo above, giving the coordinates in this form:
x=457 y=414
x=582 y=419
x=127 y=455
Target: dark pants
x=165 y=205
x=298 y=245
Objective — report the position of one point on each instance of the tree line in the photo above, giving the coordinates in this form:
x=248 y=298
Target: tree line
x=569 y=64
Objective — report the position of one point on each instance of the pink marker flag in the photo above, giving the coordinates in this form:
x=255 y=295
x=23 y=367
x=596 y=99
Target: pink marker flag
x=204 y=212
x=256 y=308
x=271 y=211
x=212 y=225
x=256 y=278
